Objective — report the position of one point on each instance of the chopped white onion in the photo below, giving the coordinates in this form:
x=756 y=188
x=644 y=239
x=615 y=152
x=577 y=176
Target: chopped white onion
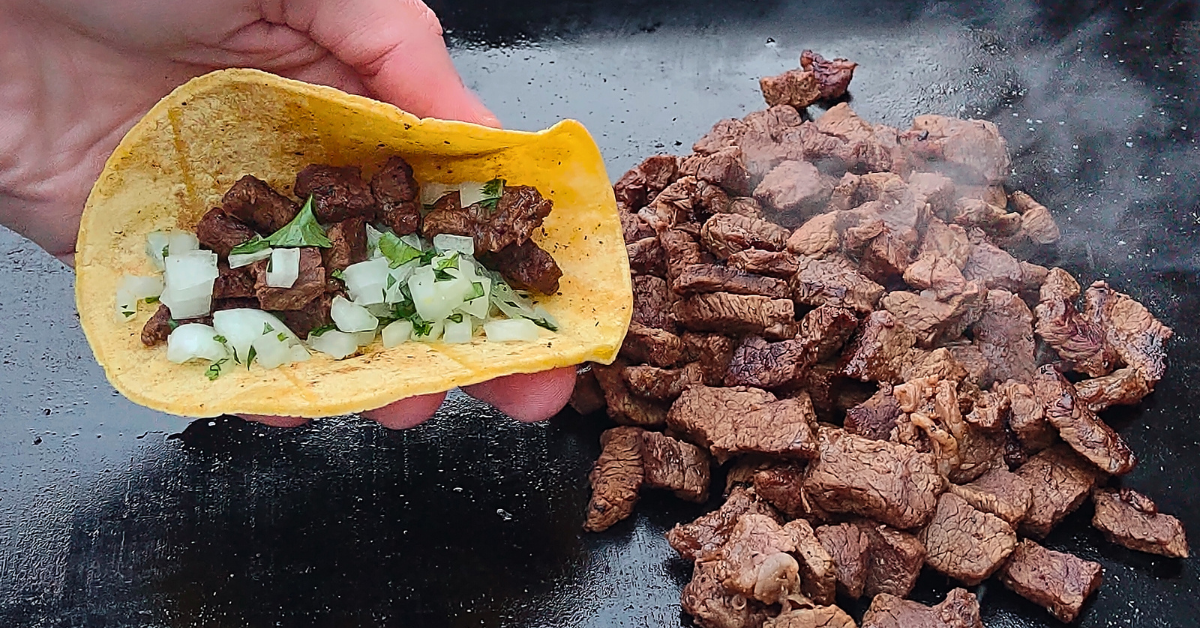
x=334 y=343
x=505 y=330
x=431 y=191
x=471 y=192
x=190 y=302
x=284 y=268
x=445 y=242
x=479 y=306
x=272 y=350
x=350 y=317
x=242 y=326
x=156 y=242
x=190 y=269
x=510 y=303
x=373 y=236
x=540 y=312
x=434 y=299
x=414 y=241
x=364 y=338
x=367 y=281
x=131 y=289
x=397 y=333
x=398 y=279
x=180 y=242
x=237 y=260
x=299 y=353
x=380 y=310
x=191 y=341
x=435 y=332
x=458 y=332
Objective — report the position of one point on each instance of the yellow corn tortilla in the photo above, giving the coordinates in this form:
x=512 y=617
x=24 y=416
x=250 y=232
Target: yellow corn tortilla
x=179 y=160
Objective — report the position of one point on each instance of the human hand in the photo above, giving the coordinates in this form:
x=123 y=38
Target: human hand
x=76 y=75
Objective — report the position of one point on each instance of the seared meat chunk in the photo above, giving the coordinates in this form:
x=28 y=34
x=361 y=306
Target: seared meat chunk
x=234 y=283
x=781 y=485
x=651 y=302
x=894 y=560
x=935 y=322
x=680 y=250
x=948 y=241
x=735 y=313
x=960 y=609
x=158 y=327
x=1000 y=492
x=1060 y=481
x=818 y=576
x=675 y=205
x=994 y=268
x=797 y=88
x=220 y=232
x=701 y=410
x=526 y=266
x=726 y=234
x=701 y=539
x=1078 y=341
x=1130 y=329
x=833 y=75
x=349 y=244
x=1079 y=426
x=676 y=466
x=763 y=364
x=338 y=192
x=661 y=384
x=979 y=372
x=636 y=188
x=738 y=420
x=724 y=167
x=882 y=351
x=847 y=544
x=711 y=278
x=397 y=196
x=793 y=192
x=755 y=562
x=1004 y=333
x=1056 y=581
x=936 y=273
x=653 y=346
x=1027 y=417
x=520 y=210
x=309 y=284
x=965 y=543
x=587 y=396
x=811 y=617
x=615 y=479
x=826 y=329
x=713 y=352
x=780 y=264
x=258 y=206
x=623 y=406
x=1131 y=520
x=876 y=417
x=1123 y=387
x=820 y=282
x=816 y=237
x=712 y=605
x=313 y=315
x=646 y=257
x=891 y=483
x=973 y=150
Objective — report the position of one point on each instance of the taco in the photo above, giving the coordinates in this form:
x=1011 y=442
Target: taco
x=352 y=254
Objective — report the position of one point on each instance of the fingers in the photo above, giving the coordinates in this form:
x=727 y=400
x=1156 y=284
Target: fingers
x=396 y=46
x=406 y=413
x=528 y=397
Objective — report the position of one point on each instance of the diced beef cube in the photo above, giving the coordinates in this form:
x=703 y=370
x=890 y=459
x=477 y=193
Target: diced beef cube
x=781 y=485
x=676 y=466
x=1131 y=520
x=449 y=216
x=1078 y=341
x=885 y=257
x=680 y=250
x=349 y=244
x=781 y=428
x=994 y=268
x=726 y=234
x=848 y=545
x=397 y=195
x=936 y=322
x=779 y=264
x=234 y=283
x=616 y=478
x=309 y=284
x=793 y=192
x=587 y=396
x=818 y=576
x=646 y=257
x=746 y=206
x=972 y=359
x=526 y=266
x=699 y=278
x=816 y=237
x=520 y=210
x=640 y=185
x=1060 y=481
x=965 y=543
x=756 y=561
x=653 y=346
x=1038 y=229
x=675 y=205
x=881 y=352
x=1124 y=387
x=937 y=189
x=894 y=560
x=960 y=609
x=623 y=406
x=798 y=88
x=1056 y=581
x=1079 y=426
x=157 y=327
x=1000 y=492
x=701 y=539
x=651 y=302
x=338 y=192
x=973 y=213
x=936 y=273
x=313 y=315
x=812 y=617
x=845 y=194
x=947 y=241
x=970 y=149
x=253 y=202
x=768 y=137
x=712 y=605
x=634 y=228
x=1130 y=328
x=1027 y=417
x=713 y=352
x=661 y=384
x=1004 y=333
x=876 y=417
x=220 y=232
x=833 y=75
x=891 y=483
x=724 y=167
x=820 y=282
x=763 y=364
x=735 y=313
x=703 y=410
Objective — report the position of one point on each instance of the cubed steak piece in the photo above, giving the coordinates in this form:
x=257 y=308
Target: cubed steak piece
x=308 y=285
x=676 y=466
x=1079 y=426
x=702 y=538
x=876 y=417
x=824 y=282
x=616 y=478
x=936 y=322
x=646 y=257
x=894 y=560
x=1078 y=341
x=883 y=351
x=793 y=192
x=781 y=485
x=964 y=543
x=234 y=283
x=1138 y=338
x=725 y=168
x=220 y=232
x=756 y=561
x=816 y=237
x=680 y=250
x=811 y=617
x=348 y=240
x=1122 y=387
x=711 y=605
x=891 y=483
x=797 y=88
x=397 y=196
x=763 y=364
x=712 y=351
x=314 y=315
x=993 y=267
x=1060 y=481
x=661 y=384
x=960 y=609
x=936 y=273
x=651 y=302
x=726 y=234
x=623 y=406
x=699 y=278
x=826 y=328
x=1027 y=417
x=587 y=396
x=818 y=575
x=258 y=206
x=158 y=327
x=640 y=185
x=1131 y=520
x=702 y=410
x=971 y=149
x=511 y=220
x=1004 y=333
x=737 y=314
x=833 y=75
x=1000 y=492
x=737 y=420
x=338 y=192
x=1056 y=581
x=656 y=347
x=526 y=266
x=847 y=544
x=779 y=264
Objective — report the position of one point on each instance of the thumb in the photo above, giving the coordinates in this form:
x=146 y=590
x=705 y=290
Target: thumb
x=396 y=47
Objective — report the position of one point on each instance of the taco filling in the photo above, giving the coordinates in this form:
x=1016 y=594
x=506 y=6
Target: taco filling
x=266 y=278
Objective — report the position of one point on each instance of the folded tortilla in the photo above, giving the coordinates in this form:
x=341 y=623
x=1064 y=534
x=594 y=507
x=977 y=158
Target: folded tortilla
x=177 y=162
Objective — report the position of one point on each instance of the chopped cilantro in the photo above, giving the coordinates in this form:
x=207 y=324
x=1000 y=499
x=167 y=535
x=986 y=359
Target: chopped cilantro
x=421 y=327
x=494 y=189
x=253 y=245
x=476 y=290
x=281 y=336
x=172 y=323
x=166 y=247
x=337 y=274
x=397 y=251
x=214 y=369
x=303 y=230
x=151 y=300
x=456 y=317
x=267 y=328
x=219 y=338
x=404 y=309
x=127 y=313
x=391 y=281
x=322 y=329
x=427 y=257
x=541 y=322
x=250 y=357
x=449 y=262
x=441 y=275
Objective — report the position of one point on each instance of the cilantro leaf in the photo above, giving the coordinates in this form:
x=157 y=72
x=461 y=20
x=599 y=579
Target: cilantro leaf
x=449 y=262
x=172 y=324
x=391 y=281
x=253 y=245
x=337 y=274
x=397 y=251
x=214 y=369
x=541 y=322
x=303 y=230
x=421 y=327
x=281 y=336
x=267 y=328
x=441 y=275
x=322 y=329
x=127 y=313
x=427 y=257
x=151 y=299
x=476 y=291
x=219 y=338
x=404 y=309
x=494 y=189
x=456 y=317
x=166 y=249
x=250 y=357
